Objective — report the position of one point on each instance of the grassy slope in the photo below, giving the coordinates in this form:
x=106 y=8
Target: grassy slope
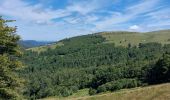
x=122 y=38
x=81 y=93
x=156 y=92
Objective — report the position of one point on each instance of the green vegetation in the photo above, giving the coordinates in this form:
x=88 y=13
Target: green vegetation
x=10 y=83
x=92 y=62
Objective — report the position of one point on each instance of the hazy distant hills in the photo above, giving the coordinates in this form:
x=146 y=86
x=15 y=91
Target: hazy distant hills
x=33 y=43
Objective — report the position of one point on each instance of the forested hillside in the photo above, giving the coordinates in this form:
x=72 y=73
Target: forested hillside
x=98 y=62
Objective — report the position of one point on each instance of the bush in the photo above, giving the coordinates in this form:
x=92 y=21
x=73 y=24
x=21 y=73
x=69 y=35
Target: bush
x=65 y=91
x=118 y=84
x=92 y=91
x=102 y=88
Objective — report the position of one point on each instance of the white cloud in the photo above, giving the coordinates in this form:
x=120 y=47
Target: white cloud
x=134 y=27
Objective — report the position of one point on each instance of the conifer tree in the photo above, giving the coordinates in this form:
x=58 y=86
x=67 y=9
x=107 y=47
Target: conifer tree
x=10 y=83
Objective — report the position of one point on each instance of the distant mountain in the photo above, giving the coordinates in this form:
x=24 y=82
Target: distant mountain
x=33 y=43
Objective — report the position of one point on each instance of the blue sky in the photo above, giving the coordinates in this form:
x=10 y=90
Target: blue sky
x=53 y=20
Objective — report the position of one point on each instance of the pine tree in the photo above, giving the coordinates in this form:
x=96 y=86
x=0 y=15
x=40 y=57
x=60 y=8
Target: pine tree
x=161 y=71
x=10 y=83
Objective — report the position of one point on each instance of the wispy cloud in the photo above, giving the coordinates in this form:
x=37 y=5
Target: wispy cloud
x=160 y=14
x=128 y=14
x=143 y=6
x=24 y=11
x=82 y=7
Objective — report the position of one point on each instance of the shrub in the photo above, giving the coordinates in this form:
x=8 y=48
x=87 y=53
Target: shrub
x=118 y=84
x=102 y=88
x=92 y=91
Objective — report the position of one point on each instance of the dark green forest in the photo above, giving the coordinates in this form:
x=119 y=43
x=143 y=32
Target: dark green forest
x=90 y=62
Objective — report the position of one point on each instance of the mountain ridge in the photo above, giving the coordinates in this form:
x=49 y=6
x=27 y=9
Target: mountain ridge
x=120 y=38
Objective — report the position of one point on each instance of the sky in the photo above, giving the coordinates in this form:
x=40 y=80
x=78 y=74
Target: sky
x=53 y=20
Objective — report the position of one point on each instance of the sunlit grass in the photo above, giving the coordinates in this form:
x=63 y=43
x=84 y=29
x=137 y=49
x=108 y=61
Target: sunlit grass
x=123 y=39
